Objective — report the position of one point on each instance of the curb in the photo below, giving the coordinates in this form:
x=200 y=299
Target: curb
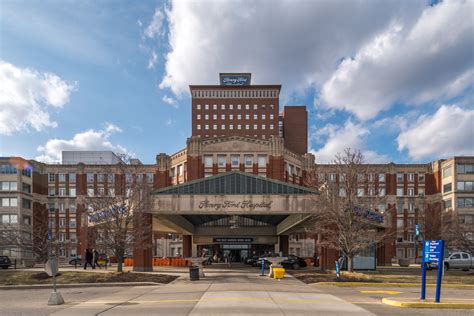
x=373 y=284
x=419 y=304
x=76 y=285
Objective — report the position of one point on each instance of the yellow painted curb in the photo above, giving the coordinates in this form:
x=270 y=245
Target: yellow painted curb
x=374 y=284
x=379 y=292
x=419 y=304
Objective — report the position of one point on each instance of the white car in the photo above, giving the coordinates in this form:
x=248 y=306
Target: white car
x=459 y=260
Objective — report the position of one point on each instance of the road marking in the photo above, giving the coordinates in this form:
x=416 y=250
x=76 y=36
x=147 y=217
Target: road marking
x=379 y=292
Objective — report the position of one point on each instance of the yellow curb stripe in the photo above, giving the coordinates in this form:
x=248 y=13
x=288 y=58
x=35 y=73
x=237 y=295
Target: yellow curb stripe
x=373 y=284
x=379 y=292
x=419 y=304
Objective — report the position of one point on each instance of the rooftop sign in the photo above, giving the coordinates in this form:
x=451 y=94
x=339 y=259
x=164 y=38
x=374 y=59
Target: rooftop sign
x=230 y=79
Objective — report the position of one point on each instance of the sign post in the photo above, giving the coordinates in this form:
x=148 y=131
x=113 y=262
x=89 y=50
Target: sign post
x=433 y=251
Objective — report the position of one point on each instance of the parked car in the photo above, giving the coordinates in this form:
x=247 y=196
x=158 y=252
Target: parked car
x=459 y=260
x=5 y=262
x=293 y=262
x=258 y=263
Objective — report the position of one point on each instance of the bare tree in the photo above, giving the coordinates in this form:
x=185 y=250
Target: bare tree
x=457 y=233
x=347 y=218
x=116 y=217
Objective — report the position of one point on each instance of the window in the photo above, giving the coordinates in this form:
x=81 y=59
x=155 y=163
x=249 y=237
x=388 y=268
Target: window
x=247 y=116
x=9 y=218
x=371 y=177
x=90 y=192
x=360 y=177
x=239 y=116
x=360 y=192
x=411 y=191
x=262 y=161
x=25 y=203
x=62 y=192
x=90 y=177
x=128 y=178
x=332 y=177
x=399 y=177
x=206 y=116
x=381 y=191
x=447 y=172
x=231 y=106
x=255 y=106
x=62 y=177
x=62 y=207
x=239 y=126
x=72 y=178
x=342 y=192
x=101 y=191
x=239 y=106
x=231 y=116
x=465 y=168
x=381 y=208
x=51 y=208
x=231 y=126
x=72 y=223
x=26 y=188
x=223 y=107
x=198 y=126
x=7 y=169
x=214 y=126
x=72 y=238
x=72 y=207
x=400 y=223
x=180 y=170
x=271 y=116
x=235 y=160
x=271 y=126
x=208 y=161
x=214 y=106
x=381 y=177
x=149 y=177
x=198 y=117
x=264 y=116
x=371 y=192
x=255 y=126
x=223 y=127
x=247 y=126
x=411 y=177
x=221 y=163
x=411 y=207
x=465 y=185
x=448 y=204
x=421 y=178
x=399 y=191
x=112 y=192
x=248 y=160
x=247 y=106
x=9 y=202
x=421 y=192
x=8 y=186
x=214 y=116
x=51 y=177
x=255 y=116
x=51 y=192
x=465 y=202
x=447 y=187
x=26 y=220
x=263 y=126
x=206 y=126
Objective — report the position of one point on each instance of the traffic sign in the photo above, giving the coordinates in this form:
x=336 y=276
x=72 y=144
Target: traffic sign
x=432 y=251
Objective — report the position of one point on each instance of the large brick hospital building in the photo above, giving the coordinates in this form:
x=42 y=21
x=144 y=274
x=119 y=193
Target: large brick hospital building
x=246 y=153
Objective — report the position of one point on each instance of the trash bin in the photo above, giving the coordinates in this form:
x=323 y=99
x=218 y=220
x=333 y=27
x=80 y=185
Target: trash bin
x=278 y=273
x=194 y=273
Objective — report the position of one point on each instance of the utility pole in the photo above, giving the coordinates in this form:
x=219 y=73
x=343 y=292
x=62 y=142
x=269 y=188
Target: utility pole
x=55 y=298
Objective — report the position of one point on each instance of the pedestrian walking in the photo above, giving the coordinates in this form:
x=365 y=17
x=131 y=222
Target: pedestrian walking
x=88 y=256
x=96 y=258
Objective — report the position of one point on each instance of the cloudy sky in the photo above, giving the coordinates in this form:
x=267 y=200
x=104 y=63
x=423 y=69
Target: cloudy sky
x=394 y=79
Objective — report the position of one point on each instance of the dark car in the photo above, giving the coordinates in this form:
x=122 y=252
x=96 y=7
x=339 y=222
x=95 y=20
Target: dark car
x=293 y=262
x=5 y=262
x=258 y=263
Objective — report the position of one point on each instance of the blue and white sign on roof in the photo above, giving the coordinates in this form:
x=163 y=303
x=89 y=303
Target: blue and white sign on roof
x=432 y=251
x=230 y=79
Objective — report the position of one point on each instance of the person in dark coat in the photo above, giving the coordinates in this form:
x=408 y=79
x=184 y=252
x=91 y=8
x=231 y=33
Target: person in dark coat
x=96 y=258
x=89 y=256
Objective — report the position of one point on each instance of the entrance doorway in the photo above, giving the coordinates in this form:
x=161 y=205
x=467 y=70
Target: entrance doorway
x=235 y=252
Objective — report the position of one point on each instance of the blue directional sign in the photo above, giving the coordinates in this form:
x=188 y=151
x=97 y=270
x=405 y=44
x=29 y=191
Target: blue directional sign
x=432 y=251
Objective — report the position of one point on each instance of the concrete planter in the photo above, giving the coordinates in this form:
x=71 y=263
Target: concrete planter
x=404 y=262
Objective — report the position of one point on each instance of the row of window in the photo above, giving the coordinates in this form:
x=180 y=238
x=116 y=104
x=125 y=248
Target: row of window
x=102 y=177
x=235 y=93
x=62 y=177
x=231 y=126
x=62 y=206
x=465 y=202
x=234 y=160
x=461 y=186
x=62 y=222
x=13 y=202
x=62 y=192
x=231 y=106
x=9 y=169
x=371 y=177
x=239 y=116
x=13 y=186
x=460 y=168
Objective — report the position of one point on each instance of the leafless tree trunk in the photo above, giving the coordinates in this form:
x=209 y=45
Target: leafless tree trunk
x=456 y=233
x=347 y=217
x=115 y=218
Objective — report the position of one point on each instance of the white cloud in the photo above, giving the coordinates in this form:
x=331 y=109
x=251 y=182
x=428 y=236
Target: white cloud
x=153 y=60
x=169 y=100
x=27 y=96
x=337 y=138
x=87 y=140
x=448 y=132
x=430 y=60
x=154 y=29
x=296 y=43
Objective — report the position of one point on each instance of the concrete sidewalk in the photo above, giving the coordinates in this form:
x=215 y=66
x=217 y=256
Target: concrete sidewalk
x=218 y=294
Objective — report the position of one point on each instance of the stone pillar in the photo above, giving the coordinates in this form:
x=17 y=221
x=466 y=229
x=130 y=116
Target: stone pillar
x=284 y=244
x=187 y=243
x=142 y=250
x=162 y=174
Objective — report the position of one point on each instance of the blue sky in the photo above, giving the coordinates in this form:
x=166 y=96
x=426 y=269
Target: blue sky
x=394 y=80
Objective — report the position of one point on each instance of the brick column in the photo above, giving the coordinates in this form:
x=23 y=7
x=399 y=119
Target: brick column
x=142 y=250
x=284 y=244
x=187 y=243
